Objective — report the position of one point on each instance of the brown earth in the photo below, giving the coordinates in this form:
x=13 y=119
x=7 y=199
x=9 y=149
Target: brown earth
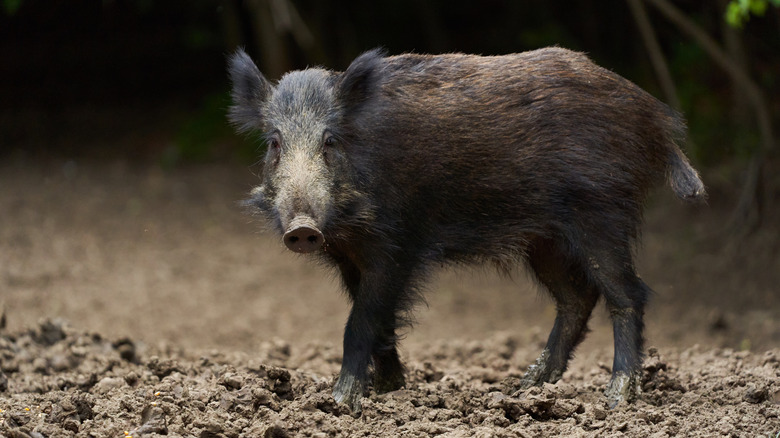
x=143 y=302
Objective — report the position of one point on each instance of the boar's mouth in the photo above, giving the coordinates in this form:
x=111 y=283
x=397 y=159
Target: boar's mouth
x=303 y=235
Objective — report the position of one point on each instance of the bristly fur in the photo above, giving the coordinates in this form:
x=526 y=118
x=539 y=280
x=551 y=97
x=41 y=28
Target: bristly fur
x=406 y=163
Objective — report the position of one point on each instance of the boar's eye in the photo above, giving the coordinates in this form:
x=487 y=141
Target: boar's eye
x=273 y=142
x=330 y=140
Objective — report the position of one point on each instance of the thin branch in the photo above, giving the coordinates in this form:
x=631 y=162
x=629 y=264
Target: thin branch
x=656 y=54
x=287 y=19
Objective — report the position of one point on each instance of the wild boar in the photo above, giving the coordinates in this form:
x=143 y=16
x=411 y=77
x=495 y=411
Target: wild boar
x=401 y=164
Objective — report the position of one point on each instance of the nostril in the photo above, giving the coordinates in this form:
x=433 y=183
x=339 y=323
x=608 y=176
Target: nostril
x=303 y=235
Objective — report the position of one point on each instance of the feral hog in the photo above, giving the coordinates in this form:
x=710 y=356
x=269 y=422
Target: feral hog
x=403 y=163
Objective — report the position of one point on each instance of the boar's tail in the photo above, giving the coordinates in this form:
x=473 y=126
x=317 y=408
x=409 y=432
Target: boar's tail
x=683 y=178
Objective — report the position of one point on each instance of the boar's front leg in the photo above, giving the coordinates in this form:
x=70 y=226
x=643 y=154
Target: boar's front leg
x=369 y=337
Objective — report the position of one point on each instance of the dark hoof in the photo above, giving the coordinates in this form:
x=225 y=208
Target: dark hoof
x=348 y=391
x=540 y=372
x=622 y=387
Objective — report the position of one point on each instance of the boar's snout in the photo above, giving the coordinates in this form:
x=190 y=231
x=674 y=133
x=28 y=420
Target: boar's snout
x=303 y=235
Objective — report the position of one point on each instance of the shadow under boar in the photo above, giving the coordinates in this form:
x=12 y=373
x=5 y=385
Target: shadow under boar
x=403 y=163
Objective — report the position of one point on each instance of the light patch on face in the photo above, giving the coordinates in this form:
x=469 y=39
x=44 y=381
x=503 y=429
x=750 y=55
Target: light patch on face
x=301 y=108
x=304 y=186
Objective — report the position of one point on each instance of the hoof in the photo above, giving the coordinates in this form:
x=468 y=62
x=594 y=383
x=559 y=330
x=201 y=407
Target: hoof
x=622 y=387
x=540 y=372
x=348 y=391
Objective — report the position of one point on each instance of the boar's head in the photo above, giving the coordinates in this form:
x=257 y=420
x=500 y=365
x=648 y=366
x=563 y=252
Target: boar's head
x=312 y=183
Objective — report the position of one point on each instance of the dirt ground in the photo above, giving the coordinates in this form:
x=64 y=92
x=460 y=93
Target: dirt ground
x=142 y=302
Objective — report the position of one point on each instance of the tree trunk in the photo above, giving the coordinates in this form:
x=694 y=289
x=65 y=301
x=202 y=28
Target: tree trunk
x=274 y=57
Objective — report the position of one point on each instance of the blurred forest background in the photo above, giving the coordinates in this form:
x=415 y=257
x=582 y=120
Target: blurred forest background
x=144 y=79
x=119 y=173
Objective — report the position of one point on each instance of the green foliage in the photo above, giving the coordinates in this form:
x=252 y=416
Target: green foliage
x=11 y=6
x=738 y=12
x=205 y=135
x=199 y=37
x=716 y=133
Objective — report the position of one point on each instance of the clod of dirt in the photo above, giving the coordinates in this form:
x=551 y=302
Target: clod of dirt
x=756 y=395
x=280 y=382
x=50 y=332
x=153 y=420
x=276 y=431
x=325 y=403
x=126 y=349
x=162 y=367
x=3 y=382
x=543 y=403
x=231 y=381
x=72 y=410
x=108 y=384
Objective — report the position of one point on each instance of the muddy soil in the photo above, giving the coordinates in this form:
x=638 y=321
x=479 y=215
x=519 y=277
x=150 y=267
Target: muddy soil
x=144 y=302
x=63 y=382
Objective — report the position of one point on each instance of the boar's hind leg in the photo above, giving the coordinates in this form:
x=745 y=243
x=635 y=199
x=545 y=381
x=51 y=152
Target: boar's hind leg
x=626 y=295
x=574 y=300
x=369 y=336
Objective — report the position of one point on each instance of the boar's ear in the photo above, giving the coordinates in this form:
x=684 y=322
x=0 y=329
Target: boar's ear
x=355 y=84
x=250 y=91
